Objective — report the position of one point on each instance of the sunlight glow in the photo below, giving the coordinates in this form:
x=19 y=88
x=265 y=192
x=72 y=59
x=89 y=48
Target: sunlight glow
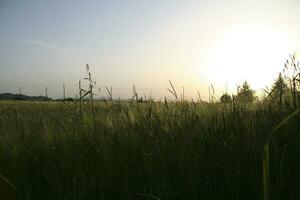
x=255 y=54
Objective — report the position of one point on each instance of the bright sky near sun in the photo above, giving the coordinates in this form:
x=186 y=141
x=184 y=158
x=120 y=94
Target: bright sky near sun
x=194 y=43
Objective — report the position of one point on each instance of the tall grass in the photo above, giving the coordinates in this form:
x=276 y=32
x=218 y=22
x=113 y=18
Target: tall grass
x=171 y=150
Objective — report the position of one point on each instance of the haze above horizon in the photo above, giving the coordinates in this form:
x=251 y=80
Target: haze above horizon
x=145 y=43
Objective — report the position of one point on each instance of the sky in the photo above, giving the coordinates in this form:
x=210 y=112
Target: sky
x=146 y=43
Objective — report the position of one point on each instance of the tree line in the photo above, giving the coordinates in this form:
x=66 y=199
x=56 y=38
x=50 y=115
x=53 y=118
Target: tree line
x=284 y=89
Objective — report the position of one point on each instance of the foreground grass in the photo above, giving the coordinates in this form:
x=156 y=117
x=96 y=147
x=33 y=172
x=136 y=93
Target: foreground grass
x=147 y=151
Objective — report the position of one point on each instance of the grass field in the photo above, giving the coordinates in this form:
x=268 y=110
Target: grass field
x=152 y=150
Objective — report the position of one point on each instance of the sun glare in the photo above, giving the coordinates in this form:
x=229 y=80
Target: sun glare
x=254 y=54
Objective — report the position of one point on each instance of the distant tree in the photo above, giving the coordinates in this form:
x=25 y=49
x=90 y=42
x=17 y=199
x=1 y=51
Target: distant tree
x=245 y=94
x=279 y=90
x=69 y=99
x=279 y=87
x=226 y=98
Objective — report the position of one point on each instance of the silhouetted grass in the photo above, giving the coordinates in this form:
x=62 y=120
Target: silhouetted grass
x=172 y=150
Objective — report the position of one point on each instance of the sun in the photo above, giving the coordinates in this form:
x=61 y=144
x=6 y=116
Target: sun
x=256 y=54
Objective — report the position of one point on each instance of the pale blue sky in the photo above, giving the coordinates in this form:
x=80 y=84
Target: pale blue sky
x=141 y=42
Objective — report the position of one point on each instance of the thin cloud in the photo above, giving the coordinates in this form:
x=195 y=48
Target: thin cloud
x=46 y=45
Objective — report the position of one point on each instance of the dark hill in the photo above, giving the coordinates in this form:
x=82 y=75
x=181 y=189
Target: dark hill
x=9 y=96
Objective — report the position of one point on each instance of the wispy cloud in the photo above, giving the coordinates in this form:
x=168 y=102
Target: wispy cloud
x=46 y=45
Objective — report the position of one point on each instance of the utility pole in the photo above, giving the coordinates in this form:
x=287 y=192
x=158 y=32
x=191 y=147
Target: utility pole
x=209 y=94
x=111 y=93
x=20 y=90
x=64 y=91
x=46 y=92
x=80 y=97
x=182 y=93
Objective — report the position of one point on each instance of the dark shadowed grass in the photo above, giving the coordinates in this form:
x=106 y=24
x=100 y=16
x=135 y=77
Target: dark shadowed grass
x=173 y=150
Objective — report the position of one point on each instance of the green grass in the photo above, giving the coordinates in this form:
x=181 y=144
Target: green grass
x=174 y=150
